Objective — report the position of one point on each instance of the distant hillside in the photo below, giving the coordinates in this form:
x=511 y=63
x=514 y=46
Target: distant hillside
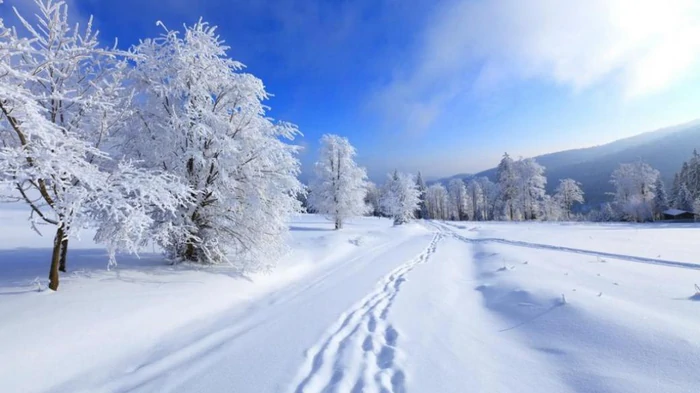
x=664 y=149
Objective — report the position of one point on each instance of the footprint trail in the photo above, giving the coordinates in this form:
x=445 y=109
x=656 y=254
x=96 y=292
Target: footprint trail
x=360 y=351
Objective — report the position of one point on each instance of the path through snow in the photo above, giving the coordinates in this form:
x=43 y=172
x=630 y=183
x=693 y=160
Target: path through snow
x=360 y=351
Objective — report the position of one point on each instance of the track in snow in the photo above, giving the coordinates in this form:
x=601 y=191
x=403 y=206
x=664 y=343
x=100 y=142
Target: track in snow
x=358 y=355
x=517 y=243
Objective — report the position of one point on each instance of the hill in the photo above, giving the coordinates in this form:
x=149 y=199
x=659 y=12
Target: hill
x=664 y=149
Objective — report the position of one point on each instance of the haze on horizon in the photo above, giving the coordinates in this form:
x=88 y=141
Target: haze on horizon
x=447 y=87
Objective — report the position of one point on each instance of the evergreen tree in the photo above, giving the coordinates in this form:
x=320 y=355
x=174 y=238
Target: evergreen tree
x=696 y=207
x=675 y=189
x=420 y=183
x=660 y=199
x=684 y=200
x=688 y=176
x=692 y=178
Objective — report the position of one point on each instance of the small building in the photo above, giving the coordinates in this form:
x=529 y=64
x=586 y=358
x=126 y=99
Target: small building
x=677 y=214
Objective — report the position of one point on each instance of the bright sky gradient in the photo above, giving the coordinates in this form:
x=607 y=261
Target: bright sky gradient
x=446 y=87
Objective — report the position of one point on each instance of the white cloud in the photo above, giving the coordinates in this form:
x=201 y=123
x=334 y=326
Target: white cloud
x=642 y=46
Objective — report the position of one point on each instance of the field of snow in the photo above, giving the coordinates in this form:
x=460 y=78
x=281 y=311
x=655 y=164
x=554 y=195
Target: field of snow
x=426 y=307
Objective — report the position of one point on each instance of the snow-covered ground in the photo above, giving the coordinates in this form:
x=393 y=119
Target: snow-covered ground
x=427 y=307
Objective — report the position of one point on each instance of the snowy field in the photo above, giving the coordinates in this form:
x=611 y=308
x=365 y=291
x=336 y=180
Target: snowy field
x=427 y=307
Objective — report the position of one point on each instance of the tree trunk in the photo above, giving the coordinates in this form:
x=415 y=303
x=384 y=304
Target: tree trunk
x=338 y=223
x=64 y=252
x=190 y=251
x=55 y=256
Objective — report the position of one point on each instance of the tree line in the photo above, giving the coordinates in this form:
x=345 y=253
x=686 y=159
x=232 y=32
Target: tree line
x=340 y=190
x=518 y=194
x=640 y=193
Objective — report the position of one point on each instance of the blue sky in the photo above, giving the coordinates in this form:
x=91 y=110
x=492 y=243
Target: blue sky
x=446 y=87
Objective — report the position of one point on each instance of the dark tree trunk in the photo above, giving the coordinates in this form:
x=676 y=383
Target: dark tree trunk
x=55 y=257
x=190 y=251
x=338 y=223
x=64 y=252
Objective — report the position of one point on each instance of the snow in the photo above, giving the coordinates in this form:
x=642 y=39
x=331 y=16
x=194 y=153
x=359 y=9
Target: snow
x=423 y=307
x=675 y=212
x=622 y=326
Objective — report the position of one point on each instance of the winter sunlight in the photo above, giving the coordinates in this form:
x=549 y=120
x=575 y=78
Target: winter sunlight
x=312 y=197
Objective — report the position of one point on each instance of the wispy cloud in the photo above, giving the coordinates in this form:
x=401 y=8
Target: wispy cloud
x=641 y=46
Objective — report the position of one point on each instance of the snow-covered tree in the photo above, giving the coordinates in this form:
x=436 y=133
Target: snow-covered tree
x=458 y=199
x=530 y=182
x=302 y=196
x=437 y=202
x=61 y=100
x=400 y=198
x=422 y=211
x=339 y=187
x=606 y=213
x=490 y=201
x=696 y=207
x=684 y=201
x=202 y=119
x=552 y=208
x=691 y=175
x=476 y=199
x=675 y=188
x=567 y=193
x=521 y=184
x=373 y=198
x=508 y=185
x=688 y=177
x=635 y=189
x=661 y=203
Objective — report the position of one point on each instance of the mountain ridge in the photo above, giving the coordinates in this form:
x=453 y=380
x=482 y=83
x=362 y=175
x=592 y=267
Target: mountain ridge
x=665 y=149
